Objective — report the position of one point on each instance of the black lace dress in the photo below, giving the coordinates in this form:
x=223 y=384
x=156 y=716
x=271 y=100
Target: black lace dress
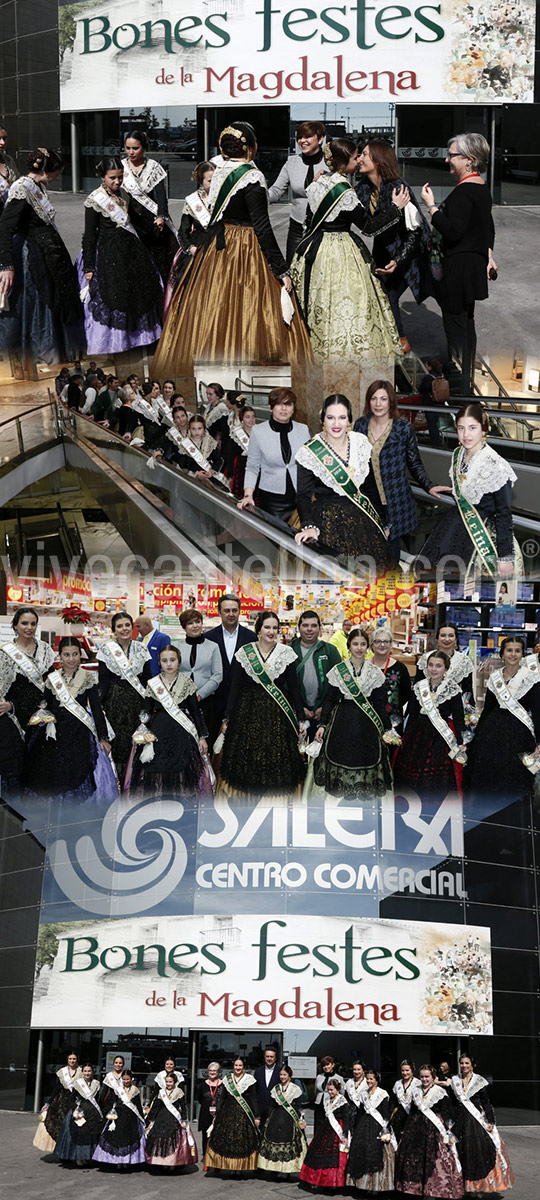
x=77 y=1142
x=25 y=697
x=325 y=1164
x=260 y=753
x=425 y=1165
x=59 y=1104
x=121 y=702
x=64 y=767
x=233 y=1143
x=422 y=762
x=371 y=1161
x=399 y=1110
x=397 y=685
x=495 y=768
x=354 y=760
x=486 y=1167
x=161 y=246
x=283 y=1144
x=167 y=1143
x=176 y=767
x=122 y=1140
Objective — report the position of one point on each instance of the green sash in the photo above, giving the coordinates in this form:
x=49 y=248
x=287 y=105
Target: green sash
x=289 y=1108
x=358 y=696
x=257 y=665
x=226 y=189
x=340 y=474
x=231 y=1084
x=323 y=209
x=473 y=522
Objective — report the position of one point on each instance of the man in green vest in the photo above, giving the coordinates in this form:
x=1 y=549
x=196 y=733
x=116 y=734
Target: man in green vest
x=315 y=658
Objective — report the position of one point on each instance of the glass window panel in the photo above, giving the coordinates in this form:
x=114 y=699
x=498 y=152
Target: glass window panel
x=19 y=852
x=515 y=970
x=35 y=15
x=509 y=885
x=510 y=927
x=19 y=928
x=39 y=93
x=520 y=178
x=8 y=59
x=505 y=1058
x=14 y=1049
x=497 y=844
x=412 y=908
x=516 y=1010
x=12 y=1090
x=37 y=52
x=7 y=21
x=20 y=888
x=17 y=965
x=15 y=1008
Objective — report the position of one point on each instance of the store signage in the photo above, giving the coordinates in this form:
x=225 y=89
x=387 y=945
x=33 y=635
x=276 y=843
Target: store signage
x=267 y=52
x=252 y=972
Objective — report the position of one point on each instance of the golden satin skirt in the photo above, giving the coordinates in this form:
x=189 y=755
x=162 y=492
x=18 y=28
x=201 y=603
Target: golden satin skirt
x=227 y=309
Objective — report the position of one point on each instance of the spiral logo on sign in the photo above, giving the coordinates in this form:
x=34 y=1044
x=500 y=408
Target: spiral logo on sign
x=141 y=860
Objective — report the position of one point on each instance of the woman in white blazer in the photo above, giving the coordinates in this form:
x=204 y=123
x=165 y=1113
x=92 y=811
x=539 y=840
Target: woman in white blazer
x=271 y=465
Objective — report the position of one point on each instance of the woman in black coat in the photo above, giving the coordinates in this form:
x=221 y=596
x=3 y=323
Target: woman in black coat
x=461 y=248
x=394 y=453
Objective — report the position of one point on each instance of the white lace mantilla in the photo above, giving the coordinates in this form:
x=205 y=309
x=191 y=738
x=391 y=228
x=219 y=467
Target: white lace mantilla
x=291 y=1092
x=317 y=191
x=358 y=464
x=246 y=1081
x=35 y=195
x=522 y=682
x=80 y=682
x=370 y=677
x=487 y=472
x=354 y=1090
x=138 y=655
x=447 y=689
x=476 y=1083
x=460 y=664
x=216 y=413
x=182 y=687
x=376 y=1097
x=196 y=204
x=152 y=173
x=404 y=1094
x=222 y=173
x=43 y=660
x=432 y=1097
x=278 y=659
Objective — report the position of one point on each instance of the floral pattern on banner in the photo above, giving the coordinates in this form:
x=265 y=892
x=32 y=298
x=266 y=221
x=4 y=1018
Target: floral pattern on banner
x=492 y=55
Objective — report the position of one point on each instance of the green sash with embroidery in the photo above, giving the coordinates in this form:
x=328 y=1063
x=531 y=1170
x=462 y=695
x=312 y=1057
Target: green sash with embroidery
x=226 y=189
x=473 y=522
x=257 y=665
x=358 y=696
x=240 y=1100
x=341 y=475
x=289 y=1108
x=321 y=212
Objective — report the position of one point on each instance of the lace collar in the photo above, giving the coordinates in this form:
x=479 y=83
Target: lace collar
x=173 y=1096
x=278 y=659
x=25 y=188
x=370 y=677
x=222 y=173
x=137 y=655
x=207 y=445
x=291 y=1091
x=246 y=1081
x=476 y=1083
x=80 y=682
x=376 y=1097
x=354 y=1090
x=447 y=689
x=331 y=1105
x=216 y=413
x=358 y=464
x=146 y=179
x=487 y=472
x=182 y=687
x=317 y=191
x=522 y=682
x=404 y=1091
x=460 y=664
x=196 y=204
x=43 y=659
x=430 y=1098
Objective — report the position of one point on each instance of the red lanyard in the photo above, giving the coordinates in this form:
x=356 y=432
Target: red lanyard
x=473 y=175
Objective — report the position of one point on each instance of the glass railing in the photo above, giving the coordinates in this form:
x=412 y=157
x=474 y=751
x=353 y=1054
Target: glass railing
x=28 y=431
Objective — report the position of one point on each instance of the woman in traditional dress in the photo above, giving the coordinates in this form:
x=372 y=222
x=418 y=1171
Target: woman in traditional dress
x=233 y=1140
x=241 y=268
x=169 y=1141
x=354 y=1089
x=169 y=445
x=171 y=746
x=460 y=669
x=8 y=167
x=45 y=316
x=401 y=252
x=201 y=455
x=355 y=727
x=427 y=1163
x=372 y=1151
x=83 y=1122
x=403 y=1091
x=122 y=1141
x=124 y=293
x=394 y=456
x=192 y=230
x=336 y=493
x=236 y=451
x=124 y=671
x=504 y=754
x=397 y=681
x=53 y=1113
x=24 y=663
x=75 y=763
x=483 y=1154
x=169 y=1068
x=431 y=757
x=207 y=1100
x=264 y=717
x=347 y=312
x=322 y=1079
x=325 y=1164
x=476 y=537
x=144 y=180
x=201 y=662
x=283 y=1142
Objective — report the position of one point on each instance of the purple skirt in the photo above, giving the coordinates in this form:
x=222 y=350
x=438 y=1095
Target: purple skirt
x=105 y=339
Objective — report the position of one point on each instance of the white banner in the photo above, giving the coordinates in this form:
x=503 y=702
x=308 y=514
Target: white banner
x=263 y=52
x=246 y=972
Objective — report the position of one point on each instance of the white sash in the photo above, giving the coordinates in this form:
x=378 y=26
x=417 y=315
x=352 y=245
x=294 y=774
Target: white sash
x=508 y=701
x=166 y=414
x=157 y=689
x=109 y=206
x=404 y=1095
x=132 y=185
x=216 y=413
x=120 y=1091
x=429 y=707
x=166 y=1100
x=195 y=206
x=66 y=1079
x=24 y=664
x=122 y=661
x=68 y=701
x=355 y=1091
x=372 y=1111
x=83 y=1089
x=239 y=435
x=329 y=1106
x=145 y=409
x=37 y=198
x=439 y=1124
x=13 y=718
x=201 y=461
x=457 y=1086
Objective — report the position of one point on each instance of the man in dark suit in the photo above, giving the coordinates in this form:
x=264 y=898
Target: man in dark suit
x=229 y=636
x=267 y=1077
x=152 y=639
